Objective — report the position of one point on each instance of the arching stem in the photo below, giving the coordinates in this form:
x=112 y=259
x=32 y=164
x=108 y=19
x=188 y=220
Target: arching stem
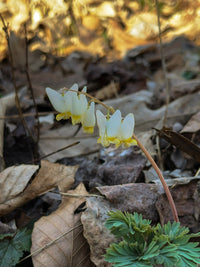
x=147 y=154
x=164 y=184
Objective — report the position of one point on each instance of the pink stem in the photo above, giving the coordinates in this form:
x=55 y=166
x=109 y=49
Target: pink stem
x=168 y=194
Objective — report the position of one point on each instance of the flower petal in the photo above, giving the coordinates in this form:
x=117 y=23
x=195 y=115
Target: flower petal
x=79 y=104
x=56 y=99
x=113 y=124
x=88 y=119
x=127 y=127
x=74 y=87
x=101 y=122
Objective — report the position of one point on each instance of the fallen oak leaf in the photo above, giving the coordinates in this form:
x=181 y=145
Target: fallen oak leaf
x=13 y=180
x=181 y=142
x=49 y=176
x=64 y=224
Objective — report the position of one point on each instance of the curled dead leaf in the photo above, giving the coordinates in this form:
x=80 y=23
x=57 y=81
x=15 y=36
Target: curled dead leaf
x=49 y=176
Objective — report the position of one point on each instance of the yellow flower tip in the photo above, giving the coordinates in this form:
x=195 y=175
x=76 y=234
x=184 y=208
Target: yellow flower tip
x=76 y=119
x=88 y=130
x=129 y=142
x=104 y=141
x=64 y=116
x=112 y=139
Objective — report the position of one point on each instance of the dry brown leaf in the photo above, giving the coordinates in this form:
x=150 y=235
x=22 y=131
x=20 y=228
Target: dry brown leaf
x=181 y=142
x=13 y=180
x=72 y=249
x=49 y=176
x=5 y=102
x=193 y=125
x=108 y=91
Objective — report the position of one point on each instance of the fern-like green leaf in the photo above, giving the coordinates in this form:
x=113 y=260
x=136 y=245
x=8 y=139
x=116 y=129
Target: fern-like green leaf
x=124 y=254
x=189 y=253
x=173 y=231
x=151 y=251
x=144 y=245
x=167 y=256
x=120 y=224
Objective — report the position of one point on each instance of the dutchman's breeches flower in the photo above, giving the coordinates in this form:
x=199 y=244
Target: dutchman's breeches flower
x=62 y=102
x=112 y=129
x=79 y=106
x=116 y=130
x=75 y=106
x=88 y=119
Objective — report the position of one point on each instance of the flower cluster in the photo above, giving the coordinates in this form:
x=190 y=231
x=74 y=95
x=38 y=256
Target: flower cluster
x=112 y=128
x=115 y=130
x=75 y=106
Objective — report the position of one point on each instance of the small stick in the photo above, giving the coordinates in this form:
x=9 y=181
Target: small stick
x=164 y=184
x=40 y=114
x=5 y=28
x=52 y=153
x=31 y=87
x=77 y=195
x=163 y=66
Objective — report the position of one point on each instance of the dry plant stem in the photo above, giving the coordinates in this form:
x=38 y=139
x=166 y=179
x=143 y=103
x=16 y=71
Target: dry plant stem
x=76 y=195
x=168 y=194
x=163 y=66
x=5 y=28
x=30 y=87
x=40 y=114
x=52 y=153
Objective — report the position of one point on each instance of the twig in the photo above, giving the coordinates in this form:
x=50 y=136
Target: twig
x=164 y=184
x=160 y=162
x=40 y=114
x=77 y=195
x=163 y=66
x=52 y=153
x=30 y=87
x=5 y=28
x=50 y=243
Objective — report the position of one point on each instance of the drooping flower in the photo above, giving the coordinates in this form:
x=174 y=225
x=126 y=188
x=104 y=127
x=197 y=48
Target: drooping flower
x=62 y=102
x=88 y=119
x=79 y=106
x=116 y=130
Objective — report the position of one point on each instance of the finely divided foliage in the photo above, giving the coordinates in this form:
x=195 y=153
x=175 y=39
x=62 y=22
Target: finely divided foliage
x=146 y=245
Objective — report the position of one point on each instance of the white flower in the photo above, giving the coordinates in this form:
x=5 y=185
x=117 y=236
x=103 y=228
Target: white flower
x=115 y=130
x=62 y=102
x=79 y=106
x=88 y=119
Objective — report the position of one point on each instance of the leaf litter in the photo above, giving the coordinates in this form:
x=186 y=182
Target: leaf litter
x=131 y=81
